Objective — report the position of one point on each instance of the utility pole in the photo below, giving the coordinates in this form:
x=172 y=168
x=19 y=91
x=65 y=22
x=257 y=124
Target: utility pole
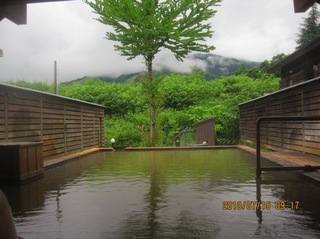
x=55 y=78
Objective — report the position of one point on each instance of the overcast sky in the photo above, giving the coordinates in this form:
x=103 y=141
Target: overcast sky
x=67 y=32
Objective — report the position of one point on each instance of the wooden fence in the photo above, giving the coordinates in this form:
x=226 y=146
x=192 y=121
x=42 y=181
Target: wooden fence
x=64 y=125
x=299 y=100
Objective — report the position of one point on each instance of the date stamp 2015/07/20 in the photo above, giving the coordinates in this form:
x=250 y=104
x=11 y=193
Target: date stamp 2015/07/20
x=260 y=205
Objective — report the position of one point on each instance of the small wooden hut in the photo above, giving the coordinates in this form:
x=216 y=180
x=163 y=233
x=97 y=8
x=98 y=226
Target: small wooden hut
x=205 y=132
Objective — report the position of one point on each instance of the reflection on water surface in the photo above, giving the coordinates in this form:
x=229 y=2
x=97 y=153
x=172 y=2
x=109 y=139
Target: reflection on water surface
x=164 y=194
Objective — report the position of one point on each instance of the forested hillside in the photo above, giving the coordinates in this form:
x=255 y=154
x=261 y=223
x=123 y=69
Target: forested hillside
x=182 y=100
x=213 y=66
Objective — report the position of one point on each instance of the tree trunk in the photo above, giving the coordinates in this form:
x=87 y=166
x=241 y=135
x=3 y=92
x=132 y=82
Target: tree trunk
x=152 y=125
x=152 y=109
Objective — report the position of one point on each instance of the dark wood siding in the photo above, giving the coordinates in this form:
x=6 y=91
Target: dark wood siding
x=300 y=66
x=300 y=100
x=64 y=125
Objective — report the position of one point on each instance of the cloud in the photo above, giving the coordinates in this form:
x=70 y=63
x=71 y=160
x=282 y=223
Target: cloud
x=67 y=32
x=69 y=35
x=166 y=59
x=255 y=30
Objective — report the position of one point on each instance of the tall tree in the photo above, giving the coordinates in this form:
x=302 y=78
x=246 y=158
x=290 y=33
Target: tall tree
x=310 y=28
x=144 y=27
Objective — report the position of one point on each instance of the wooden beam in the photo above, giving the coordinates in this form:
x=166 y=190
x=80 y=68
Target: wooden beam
x=23 y=2
x=303 y=5
x=292 y=168
x=16 y=10
x=15 y=13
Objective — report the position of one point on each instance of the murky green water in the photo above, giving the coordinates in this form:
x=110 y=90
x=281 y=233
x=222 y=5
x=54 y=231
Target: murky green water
x=164 y=194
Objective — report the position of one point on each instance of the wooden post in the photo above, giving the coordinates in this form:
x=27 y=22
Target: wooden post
x=258 y=153
x=55 y=78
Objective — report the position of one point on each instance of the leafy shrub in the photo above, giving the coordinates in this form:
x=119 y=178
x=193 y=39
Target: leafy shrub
x=182 y=91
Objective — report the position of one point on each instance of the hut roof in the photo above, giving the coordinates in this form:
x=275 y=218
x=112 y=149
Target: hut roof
x=204 y=122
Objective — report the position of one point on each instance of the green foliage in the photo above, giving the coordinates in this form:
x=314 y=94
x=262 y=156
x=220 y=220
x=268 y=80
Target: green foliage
x=226 y=94
x=36 y=85
x=131 y=129
x=261 y=72
x=151 y=91
x=89 y=90
x=119 y=99
x=310 y=28
x=143 y=27
x=182 y=91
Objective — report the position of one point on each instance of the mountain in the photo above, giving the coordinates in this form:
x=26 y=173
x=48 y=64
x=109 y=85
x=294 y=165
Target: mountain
x=217 y=66
x=213 y=66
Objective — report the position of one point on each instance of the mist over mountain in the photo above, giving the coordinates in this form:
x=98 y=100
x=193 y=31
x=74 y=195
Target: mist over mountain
x=213 y=66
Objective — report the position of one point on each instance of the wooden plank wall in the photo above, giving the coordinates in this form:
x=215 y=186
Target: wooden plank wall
x=299 y=100
x=64 y=125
